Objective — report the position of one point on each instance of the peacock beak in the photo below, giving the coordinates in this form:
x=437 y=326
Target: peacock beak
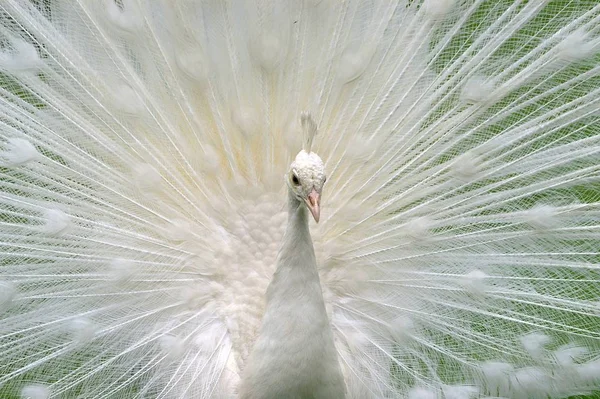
x=313 y=201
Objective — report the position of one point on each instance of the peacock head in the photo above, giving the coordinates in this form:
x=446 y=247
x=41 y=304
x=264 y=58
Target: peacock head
x=306 y=179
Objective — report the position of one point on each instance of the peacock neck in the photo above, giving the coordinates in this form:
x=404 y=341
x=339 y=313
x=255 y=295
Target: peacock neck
x=294 y=354
x=297 y=251
x=297 y=220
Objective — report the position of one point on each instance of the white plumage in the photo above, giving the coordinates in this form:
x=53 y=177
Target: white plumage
x=294 y=354
x=145 y=152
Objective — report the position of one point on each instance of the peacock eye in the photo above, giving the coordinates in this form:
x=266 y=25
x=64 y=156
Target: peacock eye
x=295 y=179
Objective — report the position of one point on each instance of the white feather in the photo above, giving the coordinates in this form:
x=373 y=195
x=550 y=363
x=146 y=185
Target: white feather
x=18 y=151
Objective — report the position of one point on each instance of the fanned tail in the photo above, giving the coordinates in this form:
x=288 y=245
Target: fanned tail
x=142 y=148
x=460 y=257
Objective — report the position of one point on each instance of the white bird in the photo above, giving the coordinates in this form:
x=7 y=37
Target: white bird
x=147 y=149
x=294 y=355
